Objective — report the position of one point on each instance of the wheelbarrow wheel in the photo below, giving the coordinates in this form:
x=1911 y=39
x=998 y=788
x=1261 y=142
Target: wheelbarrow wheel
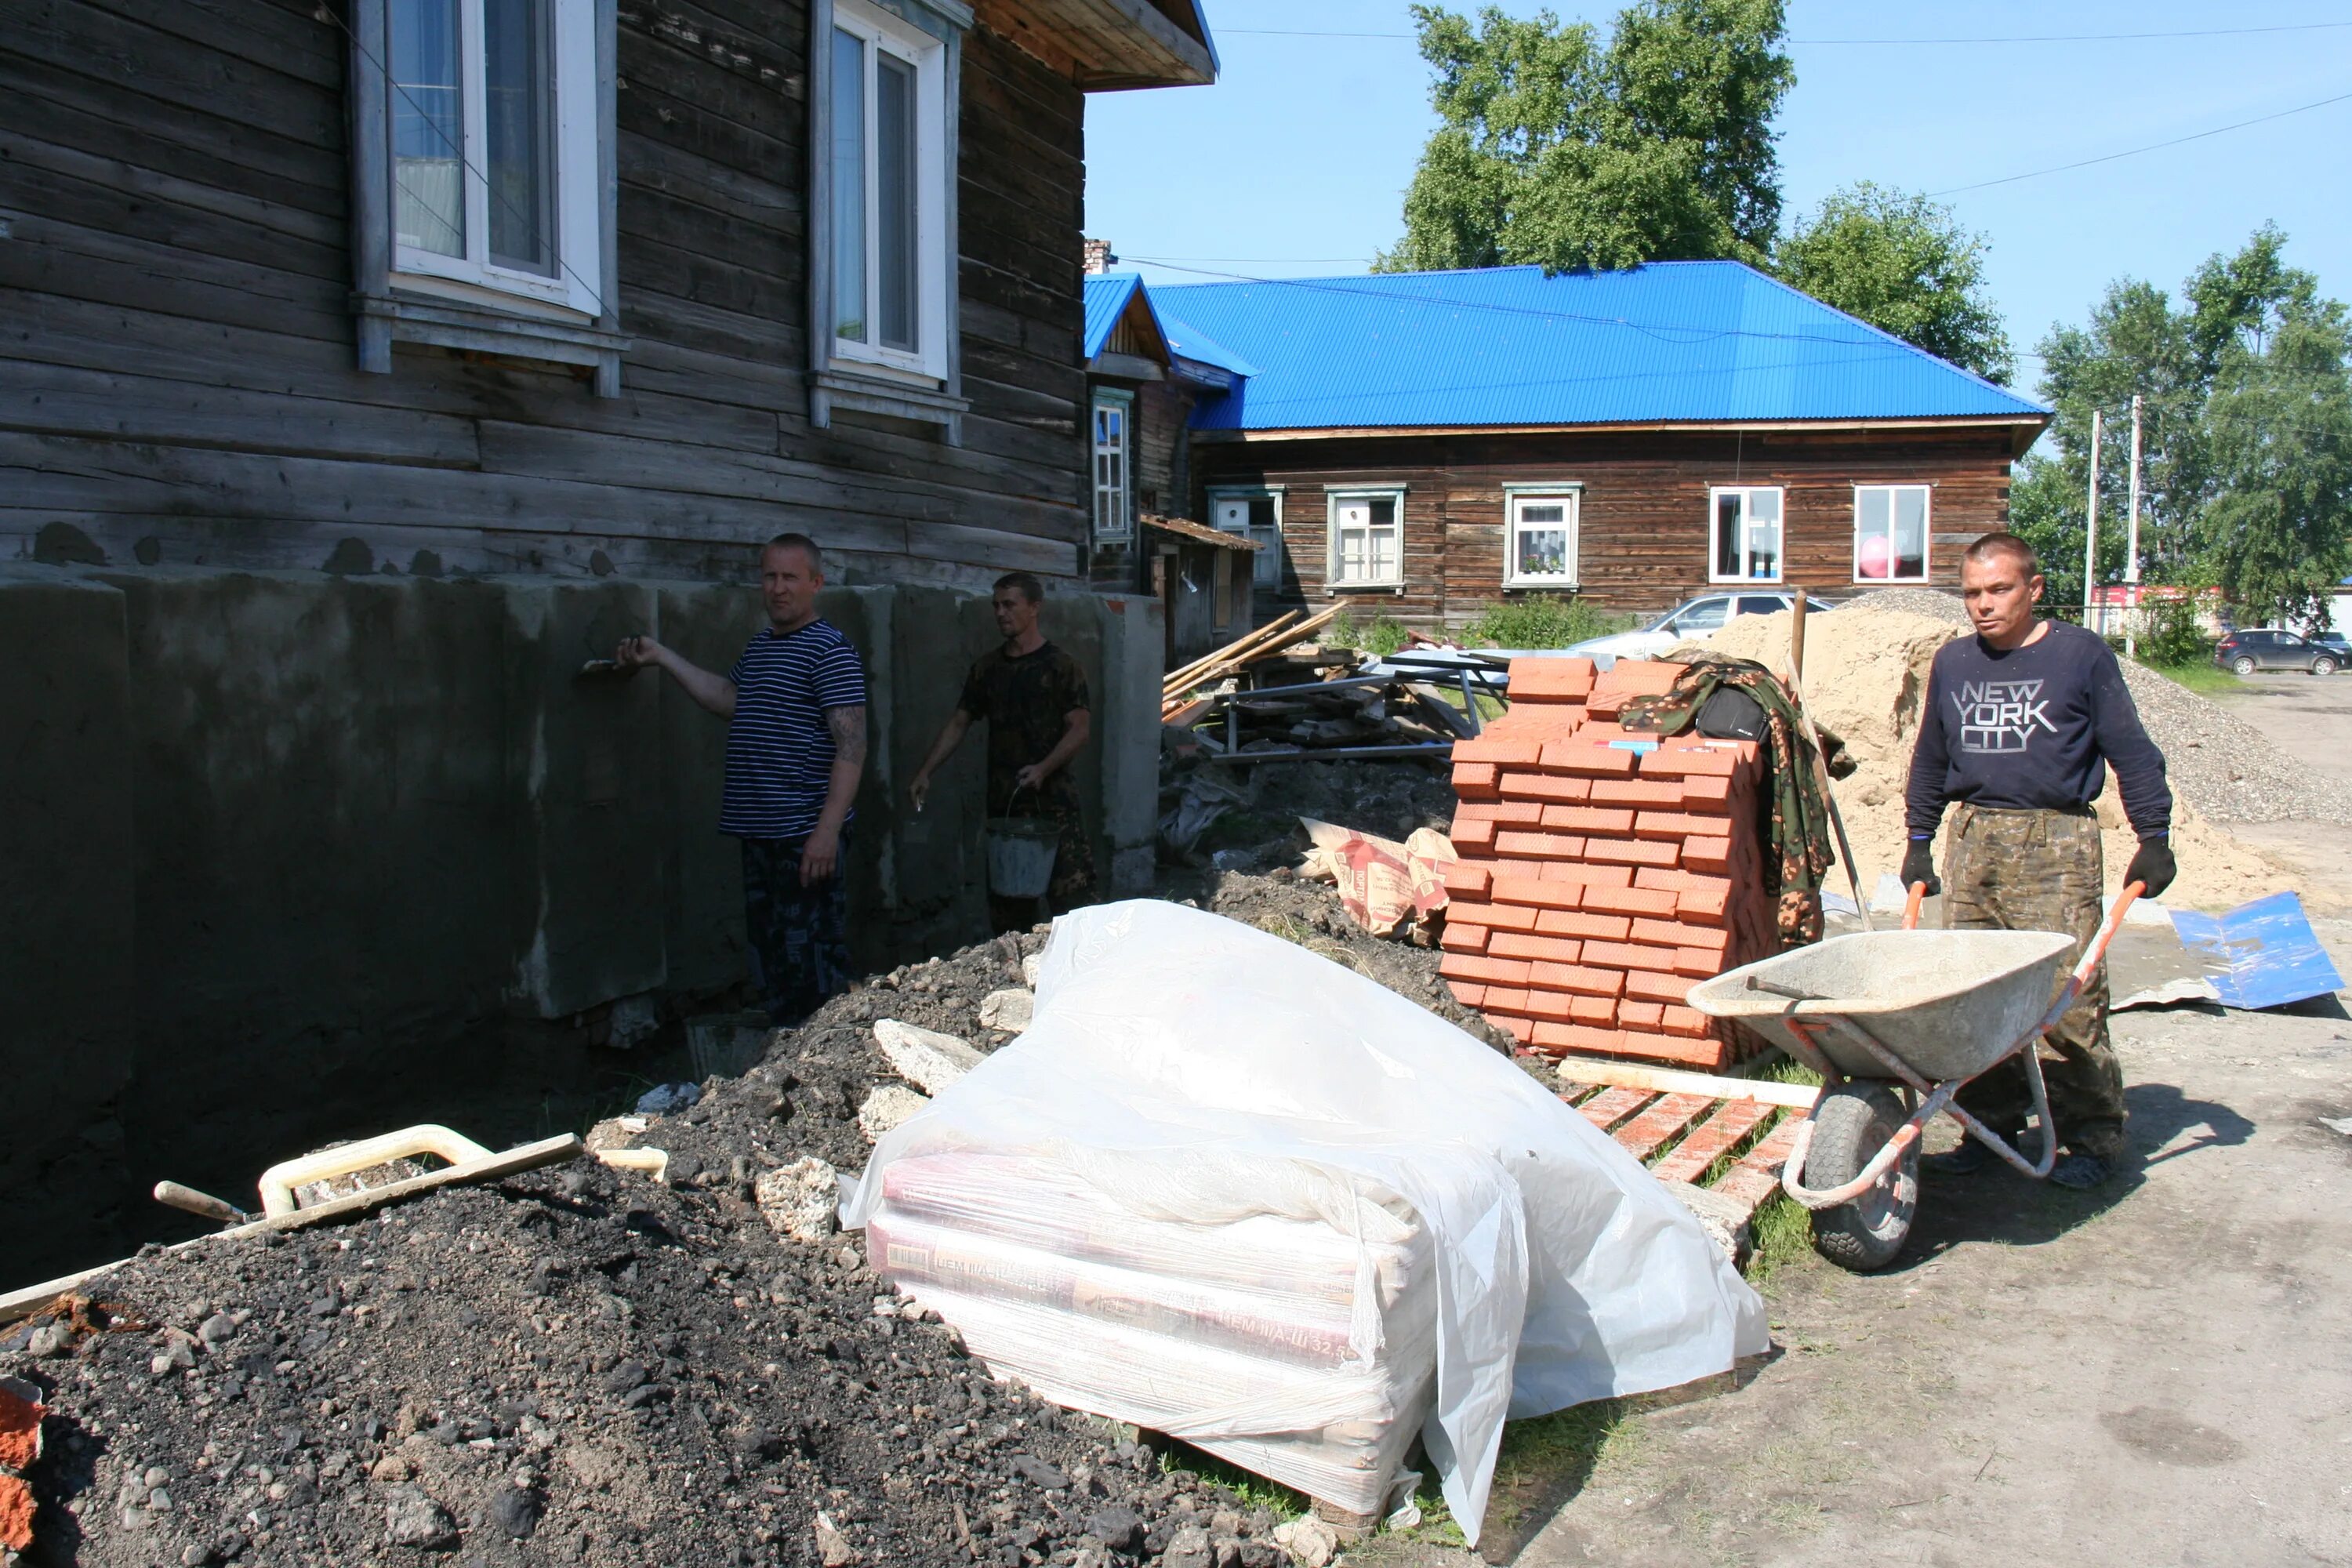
x=1851 y=1124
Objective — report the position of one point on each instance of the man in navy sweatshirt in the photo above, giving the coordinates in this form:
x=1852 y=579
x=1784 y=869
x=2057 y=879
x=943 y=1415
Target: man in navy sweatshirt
x=2020 y=724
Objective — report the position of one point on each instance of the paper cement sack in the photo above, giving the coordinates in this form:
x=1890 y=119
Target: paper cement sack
x=1228 y=1190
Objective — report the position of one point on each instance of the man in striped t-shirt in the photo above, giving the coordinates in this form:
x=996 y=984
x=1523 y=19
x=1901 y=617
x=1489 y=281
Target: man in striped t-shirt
x=795 y=711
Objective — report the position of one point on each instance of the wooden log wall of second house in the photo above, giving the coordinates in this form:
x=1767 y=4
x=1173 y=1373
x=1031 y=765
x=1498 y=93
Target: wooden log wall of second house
x=1645 y=517
x=176 y=363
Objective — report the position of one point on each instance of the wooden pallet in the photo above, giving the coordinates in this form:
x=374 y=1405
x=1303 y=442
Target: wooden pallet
x=1683 y=1137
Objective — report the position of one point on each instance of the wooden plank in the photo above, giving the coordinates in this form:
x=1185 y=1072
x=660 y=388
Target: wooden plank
x=1677 y=1081
x=1611 y=1105
x=25 y=1302
x=1757 y=1176
x=1711 y=1139
x=1642 y=1136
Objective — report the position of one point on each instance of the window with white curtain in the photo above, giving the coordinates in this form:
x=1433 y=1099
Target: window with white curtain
x=1746 y=546
x=1539 y=549
x=1366 y=544
x=1890 y=533
x=886 y=247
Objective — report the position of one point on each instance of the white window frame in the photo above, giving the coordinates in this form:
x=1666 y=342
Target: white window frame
x=403 y=293
x=1746 y=531
x=1926 y=531
x=1266 y=569
x=1335 y=497
x=883 y=32
x=1110 y=531
x=1571 y=496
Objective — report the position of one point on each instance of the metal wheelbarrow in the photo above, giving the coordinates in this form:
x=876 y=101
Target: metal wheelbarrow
x=1896 y=1022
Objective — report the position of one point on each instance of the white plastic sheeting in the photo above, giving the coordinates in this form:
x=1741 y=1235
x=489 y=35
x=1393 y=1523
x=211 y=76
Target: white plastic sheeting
x=1191 y=1071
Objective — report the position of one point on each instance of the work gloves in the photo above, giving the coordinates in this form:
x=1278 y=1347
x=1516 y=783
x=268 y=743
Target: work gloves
x=2153 y=865
x=1919 y=867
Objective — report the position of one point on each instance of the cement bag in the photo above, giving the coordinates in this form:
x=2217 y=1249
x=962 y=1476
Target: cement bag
x=1191 y=1071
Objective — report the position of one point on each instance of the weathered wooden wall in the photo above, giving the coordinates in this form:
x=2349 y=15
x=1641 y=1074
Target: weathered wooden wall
x=1158 y=483
x=176 y=375
x=1645 y=513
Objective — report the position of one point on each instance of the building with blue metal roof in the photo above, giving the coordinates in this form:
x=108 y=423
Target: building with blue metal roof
x=1434 y=442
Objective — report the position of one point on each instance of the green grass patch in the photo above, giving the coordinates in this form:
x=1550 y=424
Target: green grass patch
x=1543 y=621
x=1253 y=1490
x=1382 y=637
x=2201 y=676
x=1781 y=1232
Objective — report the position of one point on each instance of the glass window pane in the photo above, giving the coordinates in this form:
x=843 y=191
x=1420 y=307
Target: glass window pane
x=428 y=127
x=847 y=174
x=1726 y=534
x=518 y=111
x=1764 y=506
x=1543 y=551
x=1706 y=615
x=1763 y=549
x=1260 y=511
x=1911 y=531
x=894 y=183
x=1761 y=605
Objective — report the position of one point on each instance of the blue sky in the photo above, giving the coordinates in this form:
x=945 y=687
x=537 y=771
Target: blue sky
x=1294 y=164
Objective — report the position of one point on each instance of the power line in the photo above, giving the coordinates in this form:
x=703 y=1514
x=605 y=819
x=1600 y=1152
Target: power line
x=2135 y=152
x=2018 y=38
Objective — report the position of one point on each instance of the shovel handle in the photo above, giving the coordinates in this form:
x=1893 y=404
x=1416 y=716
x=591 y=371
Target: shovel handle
x=196 y=1202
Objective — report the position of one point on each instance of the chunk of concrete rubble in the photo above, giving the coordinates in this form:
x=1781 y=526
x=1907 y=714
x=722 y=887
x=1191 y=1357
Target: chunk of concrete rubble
x=832 y=1548
x=1310 y=1542
x=1032 y=967
x=924 y=1058
x=1724 y=1219
x=801 y=1200
x=885 y=1108
x=1008 y=1010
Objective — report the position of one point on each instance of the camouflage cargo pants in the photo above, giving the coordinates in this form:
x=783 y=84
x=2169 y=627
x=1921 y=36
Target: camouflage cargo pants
x=2041 y=870
x=799 y=936
x=1073 y=859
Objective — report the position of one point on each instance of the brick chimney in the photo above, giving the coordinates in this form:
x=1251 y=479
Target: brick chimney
x=1099 y=259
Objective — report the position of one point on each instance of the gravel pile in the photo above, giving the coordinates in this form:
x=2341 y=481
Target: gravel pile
x=584 y=1366
x=2216 y=762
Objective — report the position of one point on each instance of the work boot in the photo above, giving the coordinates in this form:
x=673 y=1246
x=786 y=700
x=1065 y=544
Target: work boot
x=2081 y=1172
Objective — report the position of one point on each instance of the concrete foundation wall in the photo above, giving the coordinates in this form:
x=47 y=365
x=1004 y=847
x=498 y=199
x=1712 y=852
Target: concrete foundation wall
x=293 y=857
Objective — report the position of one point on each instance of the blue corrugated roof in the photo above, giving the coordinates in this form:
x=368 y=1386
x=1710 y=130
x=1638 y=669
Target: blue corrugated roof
x=1185 y=339
x=1702 y=342
x=1107 y=296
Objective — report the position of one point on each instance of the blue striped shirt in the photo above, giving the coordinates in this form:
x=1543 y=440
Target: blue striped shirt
x=780 y=750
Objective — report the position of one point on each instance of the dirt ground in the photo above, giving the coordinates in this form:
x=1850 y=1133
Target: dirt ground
x=2152 y=1373
x=2310 y=719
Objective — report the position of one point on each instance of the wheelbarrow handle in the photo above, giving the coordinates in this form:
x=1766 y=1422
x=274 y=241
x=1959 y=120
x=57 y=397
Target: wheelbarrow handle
x=1911 y=906
x=2091 y=956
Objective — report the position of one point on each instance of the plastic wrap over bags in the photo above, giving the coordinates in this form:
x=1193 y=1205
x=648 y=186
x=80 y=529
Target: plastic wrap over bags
x=1227 y=1189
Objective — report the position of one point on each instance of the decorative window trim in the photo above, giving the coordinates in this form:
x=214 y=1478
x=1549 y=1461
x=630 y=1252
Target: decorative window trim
x=576 y=319
x=1926 y=531
x=1780 y=557
x=1266 y=571
x=1572 y=492
x=1333 y=495
x=839 y=380
x=1103 y=397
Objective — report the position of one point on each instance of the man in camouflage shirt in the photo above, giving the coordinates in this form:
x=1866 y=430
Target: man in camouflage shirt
x=2021 y=724
x=1033 y=696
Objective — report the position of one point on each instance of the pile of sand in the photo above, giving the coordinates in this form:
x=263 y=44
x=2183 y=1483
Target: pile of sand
x=1865 y=678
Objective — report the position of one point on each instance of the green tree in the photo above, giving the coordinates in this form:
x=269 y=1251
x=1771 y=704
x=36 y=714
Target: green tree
x=1903 y=264
x=1557 y=151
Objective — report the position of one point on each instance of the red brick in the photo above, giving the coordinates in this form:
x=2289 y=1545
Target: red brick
x=1501 y=750
x=1615 y=821
x=1678 y=825
x=1490 y=971
x=1698 y=963
x=1524 y=890
x=1678 y=881
x=1574 y=757
x=1675 y=764
x=1554 y=1005
x=1664 y=793
x=1542 y=950
x=1462 y=937
x=1467 y=879
x=1519 y=1029
x=1582 y=979
x=1498 y=917
x=1620 y=954
x=1469 y=993
x=1707 y=1055
x=1707 y=854
x=1706 y=906
x=1638 y=1014
x=1476 y=833
x=1703 y=790
x=1546 y=787
x=1538 y=845
x=1632 y=851
x=1642 y=677
x=1627 y=900
x=1580 y=1038
x=1673 y=1019
x=1506 y=999
x=1552 y=677
x=1599 y=1012
x=1652 y=985
x=1592 y=876
x=1584 y=926
x=1474 y=781
x=1674 y=933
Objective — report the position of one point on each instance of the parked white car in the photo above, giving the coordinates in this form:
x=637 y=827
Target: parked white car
x=1694 y=620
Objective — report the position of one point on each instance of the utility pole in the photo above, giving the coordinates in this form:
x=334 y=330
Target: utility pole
x=2091 y=533
x=2131 y=547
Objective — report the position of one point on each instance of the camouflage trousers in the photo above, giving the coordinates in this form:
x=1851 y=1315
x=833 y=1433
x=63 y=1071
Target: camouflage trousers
x=2041 y=870
x=1073 y=859
x=799 y=935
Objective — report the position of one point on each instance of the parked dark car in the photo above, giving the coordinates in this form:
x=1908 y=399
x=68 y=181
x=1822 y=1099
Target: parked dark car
x=2336 y=644
x=2274 y=647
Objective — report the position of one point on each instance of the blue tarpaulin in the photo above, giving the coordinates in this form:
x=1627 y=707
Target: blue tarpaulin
x=2262 y=955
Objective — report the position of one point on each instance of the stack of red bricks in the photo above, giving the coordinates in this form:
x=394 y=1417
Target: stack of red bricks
x=1602 y=873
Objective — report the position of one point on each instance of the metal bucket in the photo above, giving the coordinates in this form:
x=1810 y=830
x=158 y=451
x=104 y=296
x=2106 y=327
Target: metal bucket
x=1021 y=852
